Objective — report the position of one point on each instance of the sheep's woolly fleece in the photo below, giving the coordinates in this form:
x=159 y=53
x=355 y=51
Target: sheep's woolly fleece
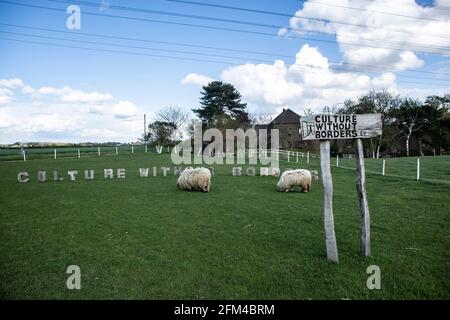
x=295 y=178
x=198 y=179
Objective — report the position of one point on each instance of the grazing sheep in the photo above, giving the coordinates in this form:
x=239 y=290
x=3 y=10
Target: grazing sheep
x=292 y=178
x=198 y=179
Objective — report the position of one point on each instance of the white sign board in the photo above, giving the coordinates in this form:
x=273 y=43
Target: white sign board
x=340 y=126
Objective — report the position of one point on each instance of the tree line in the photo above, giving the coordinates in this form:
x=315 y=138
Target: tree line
x=410 y=126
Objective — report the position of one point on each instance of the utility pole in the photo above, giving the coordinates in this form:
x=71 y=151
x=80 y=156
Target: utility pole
x=145 y=131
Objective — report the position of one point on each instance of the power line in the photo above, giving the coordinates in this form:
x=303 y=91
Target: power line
x=377 y=11
x=115 y=51
x=388 y=68
x=294 y=16
x=131 y=46
x=148 y=40
x=228 y=29
x=306 y=67
x=276 y=27
x=441 y=7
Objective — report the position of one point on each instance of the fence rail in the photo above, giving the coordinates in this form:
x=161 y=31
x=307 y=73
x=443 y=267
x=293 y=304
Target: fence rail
x=424 y=168
x=11 y=154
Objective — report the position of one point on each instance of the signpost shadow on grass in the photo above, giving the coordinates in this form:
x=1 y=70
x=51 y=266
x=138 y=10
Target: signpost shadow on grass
x=326 y=127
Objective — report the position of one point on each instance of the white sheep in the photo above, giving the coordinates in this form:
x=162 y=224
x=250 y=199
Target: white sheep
x=198 y=179
x=292 y=178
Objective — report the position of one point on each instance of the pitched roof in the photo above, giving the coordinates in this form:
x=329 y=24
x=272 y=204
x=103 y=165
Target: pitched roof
x=261 y=126
x=287 y=116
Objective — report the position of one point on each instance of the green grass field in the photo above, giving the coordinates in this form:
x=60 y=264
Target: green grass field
x=141 y=238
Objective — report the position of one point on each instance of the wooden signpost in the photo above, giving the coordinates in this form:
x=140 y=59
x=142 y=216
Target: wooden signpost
x=329 y=127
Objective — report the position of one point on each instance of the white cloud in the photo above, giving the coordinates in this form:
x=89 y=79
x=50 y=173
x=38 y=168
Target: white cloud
x=384 y=31
x=65 y=114
x=11 y=83
x=283 y=31
x=6 y=87
x=6 y=96
x=53 y=122
x=309 y=82
x=196 y=79
x=68 y=94
x=263 y=83
x=106 y=134
x=124 y=109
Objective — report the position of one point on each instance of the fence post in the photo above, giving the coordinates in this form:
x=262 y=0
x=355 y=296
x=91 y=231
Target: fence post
x=55 y=154
x=363 y=203
x=337 y=160
x=145 y=148
x=117 y=151
x=24 y=155
x=297 y=156
x=132 y=149
x=330 y=235
x=79 y=156
x=418 y=169
x=98 y=151
x=307 y=158
x=383 y=168
x=288 y=155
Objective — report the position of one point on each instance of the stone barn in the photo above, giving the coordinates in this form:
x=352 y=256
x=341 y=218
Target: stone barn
x=288 y=124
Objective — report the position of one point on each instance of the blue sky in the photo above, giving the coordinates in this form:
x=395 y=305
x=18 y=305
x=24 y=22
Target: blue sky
x=99 y=84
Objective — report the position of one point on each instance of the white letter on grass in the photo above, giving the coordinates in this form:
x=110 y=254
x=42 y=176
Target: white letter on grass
x=72 y=175
x=143 y=172
x=108 y=173
x=23 y=177
x=121 y=173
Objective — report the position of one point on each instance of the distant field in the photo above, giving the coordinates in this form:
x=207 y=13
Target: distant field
x=142 y=238
x=7 y=154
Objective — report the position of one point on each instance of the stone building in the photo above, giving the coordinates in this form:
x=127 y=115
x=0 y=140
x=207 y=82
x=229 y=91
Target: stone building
x=288 y=124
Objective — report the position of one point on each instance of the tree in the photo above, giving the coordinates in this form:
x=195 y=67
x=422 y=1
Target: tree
x=160 y=132
x=176 y=116
x=261 y=118
x=221 y=103
x=381 y=102
x=409 y=118
x=173 y=115
x=436 y=110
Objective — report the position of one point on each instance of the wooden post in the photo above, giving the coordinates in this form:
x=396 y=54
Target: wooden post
x=55 y=154
x=24 y=155
x=307 y=157
x=117 y=151
x=363 y=204
x=330 y=236
x=98 y=151
x=337 y=160
x=288 y=156
x=418 y=169
x=146 y=148
x=383 y=168
x=297 y=156
x=132 y=149
x=79 y=156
